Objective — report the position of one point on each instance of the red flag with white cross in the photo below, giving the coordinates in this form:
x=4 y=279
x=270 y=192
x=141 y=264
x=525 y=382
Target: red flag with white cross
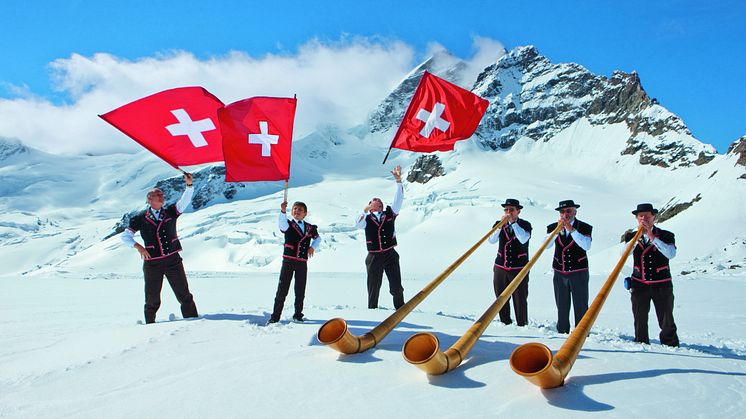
x=178 y=125
x=257 y=138
x=440 y=114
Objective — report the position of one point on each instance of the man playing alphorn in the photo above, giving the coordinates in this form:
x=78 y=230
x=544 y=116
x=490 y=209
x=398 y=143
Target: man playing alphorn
x=651 y=277
x=512 y=256
x=570 y=264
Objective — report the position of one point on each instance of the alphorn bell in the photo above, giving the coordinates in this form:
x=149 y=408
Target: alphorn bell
x=534 y=360
x=423 y=349
x=336 y=335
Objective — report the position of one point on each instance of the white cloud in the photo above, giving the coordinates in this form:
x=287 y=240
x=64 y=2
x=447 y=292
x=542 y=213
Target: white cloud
x=486 y=52
x=337 y=83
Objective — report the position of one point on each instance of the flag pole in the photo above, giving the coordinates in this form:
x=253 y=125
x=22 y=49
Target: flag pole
x=285 y=192
x=387 y=153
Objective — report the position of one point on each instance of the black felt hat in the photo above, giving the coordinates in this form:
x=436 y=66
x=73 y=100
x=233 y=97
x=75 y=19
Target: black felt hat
x=567 y=204
x=512 y=202
x=645 y=208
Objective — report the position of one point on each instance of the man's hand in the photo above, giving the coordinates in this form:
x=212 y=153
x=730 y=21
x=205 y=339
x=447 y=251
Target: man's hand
x=366 y=209
x=566 y=224
x=188 y=178
x=310 y=252
x=648 y=227
x=284 y=206
x=397 y=174
x=141 y=250
x=505 y=218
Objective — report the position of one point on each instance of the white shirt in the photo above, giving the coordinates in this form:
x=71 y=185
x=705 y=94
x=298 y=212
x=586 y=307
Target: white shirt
x=520 y=234
x=283 y=223
x=128 y=236
x=395 y=207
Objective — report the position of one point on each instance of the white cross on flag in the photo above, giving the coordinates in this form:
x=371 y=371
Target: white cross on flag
x=264 y=138
x=178 y=125
x=440 y=114
x=257 y=138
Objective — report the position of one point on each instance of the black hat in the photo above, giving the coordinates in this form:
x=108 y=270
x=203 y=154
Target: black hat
x=567 y=204
x=512 y=202
x=645 y=208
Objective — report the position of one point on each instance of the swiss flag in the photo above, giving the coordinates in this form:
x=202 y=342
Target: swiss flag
x=440 y=114
x=257 y=138
x=178 y=125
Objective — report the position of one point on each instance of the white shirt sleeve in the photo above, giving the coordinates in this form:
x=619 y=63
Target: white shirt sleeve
x=315 y=243
x=521 y=234
x=282 y=222
x=128 y=237
x=495 y=236
x=551 y=243
x=361 y=223
x=582 y=240
x=668 y=250
x=185 y=200
x=398 y=198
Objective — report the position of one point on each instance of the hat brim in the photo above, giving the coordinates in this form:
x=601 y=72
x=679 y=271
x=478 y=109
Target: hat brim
x=569 y=206
x=511 y=205
x=654 y=211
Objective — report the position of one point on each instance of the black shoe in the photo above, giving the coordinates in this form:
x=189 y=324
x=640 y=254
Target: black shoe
x=271 y=320
x=299 y=318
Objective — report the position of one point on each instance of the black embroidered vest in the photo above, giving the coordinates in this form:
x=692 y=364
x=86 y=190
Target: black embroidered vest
x=568 y=256
x=650 y=266
x=511 y=253
x=380 y=235
x=297 y=242
x=158 y=234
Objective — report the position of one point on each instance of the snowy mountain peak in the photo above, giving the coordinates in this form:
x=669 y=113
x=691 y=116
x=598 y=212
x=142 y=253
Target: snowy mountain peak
x=530 y=97
x=525 y=57
x=391 y=110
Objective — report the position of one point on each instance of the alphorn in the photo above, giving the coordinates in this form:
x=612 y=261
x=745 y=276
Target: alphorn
x=335 y=334
x=423 y=349
x=534 y=360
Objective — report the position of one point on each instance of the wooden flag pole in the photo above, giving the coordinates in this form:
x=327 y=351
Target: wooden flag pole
x=285 y=195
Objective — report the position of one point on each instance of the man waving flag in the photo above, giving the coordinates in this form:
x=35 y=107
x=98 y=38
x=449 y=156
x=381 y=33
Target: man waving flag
x=440 y=114
x=178 y=125
x=257 y=138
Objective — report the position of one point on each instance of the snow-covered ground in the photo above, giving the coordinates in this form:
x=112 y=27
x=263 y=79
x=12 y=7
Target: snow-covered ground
x=73 y=347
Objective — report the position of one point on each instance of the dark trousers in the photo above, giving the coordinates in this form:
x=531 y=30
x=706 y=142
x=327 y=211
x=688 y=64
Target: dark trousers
x=173 y=268
x=290 y=267
x=571 y=286
x=377 y=264
x=500 y=280
x=662 y=297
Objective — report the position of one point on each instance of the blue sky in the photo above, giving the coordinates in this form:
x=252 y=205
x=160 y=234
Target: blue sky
x=690 y=55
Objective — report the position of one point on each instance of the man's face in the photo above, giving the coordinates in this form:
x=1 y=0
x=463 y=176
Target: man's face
x=376 y=205
x=155 y=199
x=512 y=212
x=646 y=218
x=298 y=212
x=568 y=214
